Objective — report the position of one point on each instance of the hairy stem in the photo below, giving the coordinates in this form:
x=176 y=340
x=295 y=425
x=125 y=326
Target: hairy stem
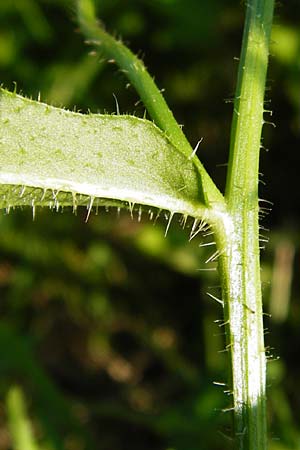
x=151 y=96
x=239 y=239
x=136 y=71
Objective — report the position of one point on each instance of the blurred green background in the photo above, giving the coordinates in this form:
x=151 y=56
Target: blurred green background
x=106 y=326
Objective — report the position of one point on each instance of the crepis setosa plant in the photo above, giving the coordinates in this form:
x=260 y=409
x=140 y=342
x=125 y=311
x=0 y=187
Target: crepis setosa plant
x=53 y=157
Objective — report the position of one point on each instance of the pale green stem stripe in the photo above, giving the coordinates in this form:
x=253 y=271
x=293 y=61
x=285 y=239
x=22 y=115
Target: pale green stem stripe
x=240 y=262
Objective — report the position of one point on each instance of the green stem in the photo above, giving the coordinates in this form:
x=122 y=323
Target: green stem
x=239 y=238
x=249 y=107
x=240 y=275
x=151 y=96
x=137 y=73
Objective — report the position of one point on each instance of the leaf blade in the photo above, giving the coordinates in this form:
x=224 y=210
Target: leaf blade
x=101 y=156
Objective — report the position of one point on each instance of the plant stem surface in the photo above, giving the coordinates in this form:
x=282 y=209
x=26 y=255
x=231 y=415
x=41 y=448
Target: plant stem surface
x=239 y=239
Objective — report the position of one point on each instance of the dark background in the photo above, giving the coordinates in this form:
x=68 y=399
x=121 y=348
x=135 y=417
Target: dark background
x=106 y=325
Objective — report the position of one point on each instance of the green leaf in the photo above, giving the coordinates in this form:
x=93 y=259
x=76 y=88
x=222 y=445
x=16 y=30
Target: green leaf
x=151 y=96
x=19 y=423
x=53 y=157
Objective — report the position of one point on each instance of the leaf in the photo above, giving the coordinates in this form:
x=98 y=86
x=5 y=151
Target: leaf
x=149 y=93
x=19 y=422
x=52 y=157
